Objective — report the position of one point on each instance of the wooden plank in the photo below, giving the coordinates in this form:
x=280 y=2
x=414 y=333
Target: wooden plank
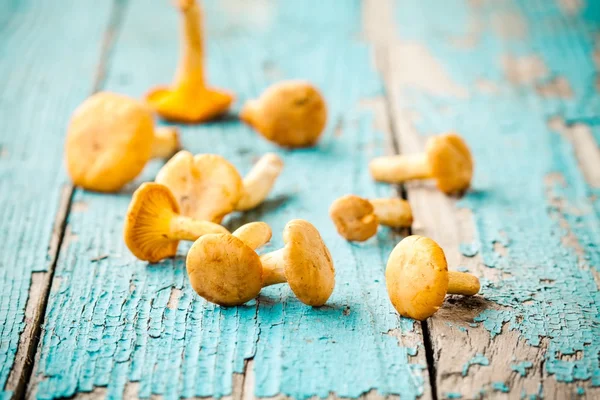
x=37 y=94
x=118 y=327
x=530 y=224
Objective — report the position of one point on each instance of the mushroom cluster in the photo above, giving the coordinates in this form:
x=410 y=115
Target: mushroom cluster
x=111 y=137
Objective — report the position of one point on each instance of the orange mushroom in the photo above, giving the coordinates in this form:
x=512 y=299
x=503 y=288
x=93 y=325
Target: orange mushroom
x=447 y=159
x=417 y=278
x=357 y=219
x=189 y=99
x=154 y=226
x=291 y=114
x=110 y=139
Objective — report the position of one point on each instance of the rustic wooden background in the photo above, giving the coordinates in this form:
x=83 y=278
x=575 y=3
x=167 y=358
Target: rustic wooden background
x=80 y=317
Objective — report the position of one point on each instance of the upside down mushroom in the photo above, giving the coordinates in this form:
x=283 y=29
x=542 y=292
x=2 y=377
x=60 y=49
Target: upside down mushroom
x=110 y=139
x=357 y=219
x=447 y=159
x=208 y=187
x=189 y=99
x=291 y=114
x=225 y=269
x=154 y=226
x=417 y=278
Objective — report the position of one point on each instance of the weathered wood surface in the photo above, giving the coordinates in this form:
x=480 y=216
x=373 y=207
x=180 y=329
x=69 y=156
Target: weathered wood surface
x=41 y=81
x=113 y=320
x=516 y=78
x=505 y=75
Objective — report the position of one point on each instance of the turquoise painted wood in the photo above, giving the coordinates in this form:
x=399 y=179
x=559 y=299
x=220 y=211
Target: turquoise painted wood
x=41 y=81
x=530 y=193
x=113 y=320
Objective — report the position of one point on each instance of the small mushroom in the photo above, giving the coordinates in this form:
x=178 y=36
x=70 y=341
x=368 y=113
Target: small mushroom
x=225 y=269
x=154 y=226
x=447 y=159
x=208 y=187
x=189 y=99
x=110 y=139
x=417 y=278
x=291 y=114
x=357 y=219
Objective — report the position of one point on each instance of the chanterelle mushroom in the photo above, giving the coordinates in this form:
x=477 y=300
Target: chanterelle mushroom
x=189 y=99
x=291 y=114
x=208 y=187
x=154 y=227
x=447 y=160
x=224 y=269
x=110 y=139
x=417 y=278
x=357 y=219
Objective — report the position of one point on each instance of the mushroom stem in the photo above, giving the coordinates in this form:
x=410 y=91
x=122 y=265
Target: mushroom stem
x=259 y=181
x=273 y=268
x=166 y=142
x=190 y=72
x=392 y=212
x=185 y=228
x=462 y=283
x=254 y=234
x=396 y=169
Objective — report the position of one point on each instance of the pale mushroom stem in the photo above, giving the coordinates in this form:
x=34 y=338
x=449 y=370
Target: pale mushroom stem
x=190 y=72
x=462 y=283
x=392 y=212
x=185 y=228
x=273 y=268
x=396 y=169
x=254 y=234
x=166 y=142
x=259 y=181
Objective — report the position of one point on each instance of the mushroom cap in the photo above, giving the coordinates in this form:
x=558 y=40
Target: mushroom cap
x=354 y=218
x=206 y=186
x=223 y=270
x=109 y=141
x=291 y=114
x=416 y=277
x=308 y=264
x=148 y=221
x=188 y=103
x=451 y=162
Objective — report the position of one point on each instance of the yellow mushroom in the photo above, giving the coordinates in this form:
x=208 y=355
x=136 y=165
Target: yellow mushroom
x=189 y=99
x=447 y=159
x=110 y=139
x=225 y=269
x=417 y=278
x=208 y=187
x=154 y=226
x=291 y=114
x=357 y=219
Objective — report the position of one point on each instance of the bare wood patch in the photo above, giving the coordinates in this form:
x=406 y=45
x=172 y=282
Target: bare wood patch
x=524 y=70
x=571 y=7
x=555 y=87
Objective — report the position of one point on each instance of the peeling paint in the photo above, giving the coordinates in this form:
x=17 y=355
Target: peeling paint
x=478 y=359
x=521 y=367
x=547 y=292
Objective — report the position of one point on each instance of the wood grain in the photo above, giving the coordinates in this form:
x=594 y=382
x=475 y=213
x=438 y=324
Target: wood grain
x=37 y=94
x=525 y=228
x=138 y=330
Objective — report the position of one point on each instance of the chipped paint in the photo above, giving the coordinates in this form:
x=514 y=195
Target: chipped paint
x=547 y=292
x=35 y=101
x=521 y=367
x=500 y=387
x=452 y=395
x=478 y=359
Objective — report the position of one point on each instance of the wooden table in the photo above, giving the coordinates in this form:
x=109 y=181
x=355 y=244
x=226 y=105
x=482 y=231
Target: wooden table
x=81 y=317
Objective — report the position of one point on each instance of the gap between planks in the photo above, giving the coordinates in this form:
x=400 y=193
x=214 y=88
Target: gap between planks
x=22 y=371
